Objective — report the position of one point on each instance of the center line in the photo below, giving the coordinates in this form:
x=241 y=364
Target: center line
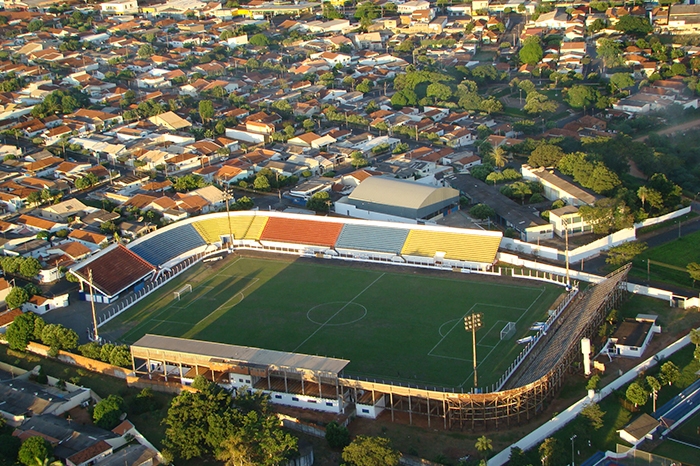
x=338 y=312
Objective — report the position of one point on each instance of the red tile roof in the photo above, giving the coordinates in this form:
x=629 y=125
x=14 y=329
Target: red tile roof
x=301 y=231
x=115 y=270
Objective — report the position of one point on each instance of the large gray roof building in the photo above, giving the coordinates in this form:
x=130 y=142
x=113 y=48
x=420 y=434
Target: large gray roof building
x=402 y=198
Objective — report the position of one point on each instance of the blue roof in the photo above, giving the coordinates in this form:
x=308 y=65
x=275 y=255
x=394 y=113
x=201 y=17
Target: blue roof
x=372 y=238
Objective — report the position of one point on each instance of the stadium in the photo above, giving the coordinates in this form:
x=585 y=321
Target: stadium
x=361 y=335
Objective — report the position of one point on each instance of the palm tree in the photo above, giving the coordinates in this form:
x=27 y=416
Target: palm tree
x=499 y=157
x=45 y=462
x=642 y=193
x=484 y=445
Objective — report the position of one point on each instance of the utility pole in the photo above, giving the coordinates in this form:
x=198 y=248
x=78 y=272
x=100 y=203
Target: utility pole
x=573 y=463
x=472 y=323
x=92 y=302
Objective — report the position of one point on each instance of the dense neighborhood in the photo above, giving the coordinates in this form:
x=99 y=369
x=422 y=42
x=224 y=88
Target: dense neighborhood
x=546 y=123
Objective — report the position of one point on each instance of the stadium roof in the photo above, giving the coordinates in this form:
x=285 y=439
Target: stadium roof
x=400 y=193
x=240 y=354
x=114 y=270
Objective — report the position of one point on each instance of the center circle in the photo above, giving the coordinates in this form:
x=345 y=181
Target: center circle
x=337 y=313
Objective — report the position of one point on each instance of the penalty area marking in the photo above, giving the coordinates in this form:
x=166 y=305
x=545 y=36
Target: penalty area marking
x=333 y=303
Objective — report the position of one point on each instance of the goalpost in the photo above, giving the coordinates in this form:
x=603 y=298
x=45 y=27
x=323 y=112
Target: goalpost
x=185 y=289
x=508 y=331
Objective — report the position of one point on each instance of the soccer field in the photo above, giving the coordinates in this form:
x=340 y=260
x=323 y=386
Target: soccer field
x=398 y=325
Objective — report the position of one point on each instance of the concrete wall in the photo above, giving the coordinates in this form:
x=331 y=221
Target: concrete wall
x=352 y=211
x=81 y=361
x=663 y=218
x=530 y=248
x=303 y=401
x=595 y=248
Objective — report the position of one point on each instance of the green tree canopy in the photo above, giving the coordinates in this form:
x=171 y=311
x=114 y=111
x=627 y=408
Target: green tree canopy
x=580 y=96
x=625 y=252
x=670 y=373
x=107 y=412
x=259 y=40
x=637 y=25
x=59 y=337
x=337 y=436
x=607 y=215
x=536 y=103
x=594 y=414
x=370 y=451
x=545 y=155
x=146 y=51
x=206 y=110
x=531 y=52
x=33 y=450
x=481 y=211
x=619 y=81
x=17 y=297
x=636 y=394
x=320 y=202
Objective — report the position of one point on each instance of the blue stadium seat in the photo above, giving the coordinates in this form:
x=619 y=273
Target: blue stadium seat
x=372 y=238
x=160 y=248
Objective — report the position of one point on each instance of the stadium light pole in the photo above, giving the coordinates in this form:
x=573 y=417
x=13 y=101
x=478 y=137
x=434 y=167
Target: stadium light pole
x=227 y=196
x=566 y=251
x=472 y=323
x=92 y=304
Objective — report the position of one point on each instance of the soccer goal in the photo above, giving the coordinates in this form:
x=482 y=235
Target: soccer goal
x=185 y=289
x=508 y=331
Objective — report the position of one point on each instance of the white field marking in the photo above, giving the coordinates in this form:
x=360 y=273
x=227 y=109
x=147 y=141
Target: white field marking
x=171 y=322
x=489 y=331
x=452 y=358
x=253 y=281
x=505 y=307
x=489 y=353
x=451 y=328
x=477 y=343
x=339 y=311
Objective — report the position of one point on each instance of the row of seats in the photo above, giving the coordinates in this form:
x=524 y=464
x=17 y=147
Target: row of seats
x=158 y=249
x=461 y=245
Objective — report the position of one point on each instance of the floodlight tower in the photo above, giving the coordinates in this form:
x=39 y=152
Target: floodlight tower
x=472 y=323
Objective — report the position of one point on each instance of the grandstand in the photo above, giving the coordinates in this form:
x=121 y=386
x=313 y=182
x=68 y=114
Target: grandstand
x=161 y=249
x=113 y=270
x=300 y=231
x=328 y=236
x=371 y=238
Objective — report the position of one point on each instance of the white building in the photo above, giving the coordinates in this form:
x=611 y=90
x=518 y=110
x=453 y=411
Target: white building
x=119 y=7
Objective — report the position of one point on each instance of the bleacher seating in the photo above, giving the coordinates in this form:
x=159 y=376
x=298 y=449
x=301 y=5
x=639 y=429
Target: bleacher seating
x=160 y=248
x=213 y=229
x=456 y=246
x=256 y=227
x=372 y=238
x=312 y=232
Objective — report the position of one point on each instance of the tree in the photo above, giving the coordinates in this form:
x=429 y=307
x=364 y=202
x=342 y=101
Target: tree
x=610 y=51
x=309 y=124
x=146 y=51
x=17 y=297
x=637 y=25
x=607 y=215
x=439 y=92
x=33 y=450
x=23 y=329
x=594 y=414
x=693 y=269
x=30 y=267
x=87 y=181
x=35 y=25
x=545 y=155
x=620 y=81
x=654 y=386
x=593 y=382
x=636 y=394
x=370 y=451
x=320 y=202
x=337 y=436
x=670 y=373
x=259 y=40
x=484 y=446
x=188 y=183
x=625 y=252
x=531 y=52
x=358 y=160
x=261 y=183
x=580 y=96
x=107 y=412
x=59 y=337
x=481 y=211
x=536 y=103
x=552 y=453
x=365 y=86
x=90 y=350
x=206 y=110
x=120 y=356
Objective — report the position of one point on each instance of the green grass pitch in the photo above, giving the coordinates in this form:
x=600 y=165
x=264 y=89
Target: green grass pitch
x=678 y=253
x=398 y=325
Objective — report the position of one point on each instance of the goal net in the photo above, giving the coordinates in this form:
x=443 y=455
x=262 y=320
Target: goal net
x=185 y=289
x=508 y=331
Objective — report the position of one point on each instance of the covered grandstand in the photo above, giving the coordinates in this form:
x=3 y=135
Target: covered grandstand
x=328 y=237
x=112 y=271
x=303 y=235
